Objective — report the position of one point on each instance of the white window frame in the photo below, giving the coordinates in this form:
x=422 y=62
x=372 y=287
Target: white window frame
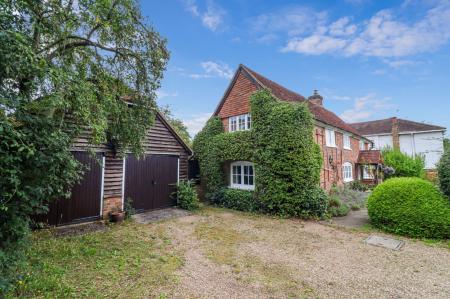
x=242 y=185
x=362 y=145
x=330 y=138
x=347 y=142
x=242 y=122
x=367 y=172
x=347 y=172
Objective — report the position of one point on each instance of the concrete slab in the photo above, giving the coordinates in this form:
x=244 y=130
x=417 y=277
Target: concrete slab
x=158 y=215
x=385 y=242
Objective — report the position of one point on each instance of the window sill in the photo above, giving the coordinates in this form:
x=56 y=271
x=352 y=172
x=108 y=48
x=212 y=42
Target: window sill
x=348 y=181
x=331 y=146
x=242 y=187
x=348 y=148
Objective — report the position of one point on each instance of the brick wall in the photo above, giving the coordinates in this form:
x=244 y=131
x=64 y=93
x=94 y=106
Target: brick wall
x=111 y=204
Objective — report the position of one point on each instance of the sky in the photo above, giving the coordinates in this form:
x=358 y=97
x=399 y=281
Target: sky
x=369 y=59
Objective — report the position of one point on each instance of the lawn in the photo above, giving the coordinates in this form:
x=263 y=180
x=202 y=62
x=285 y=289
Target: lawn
x=218 y=253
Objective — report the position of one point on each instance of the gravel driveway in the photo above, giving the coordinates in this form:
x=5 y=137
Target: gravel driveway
x=235 y=255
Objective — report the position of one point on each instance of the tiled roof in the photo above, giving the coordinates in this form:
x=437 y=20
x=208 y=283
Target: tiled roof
x=320 y=113
x=370 y=157
x=384 y=126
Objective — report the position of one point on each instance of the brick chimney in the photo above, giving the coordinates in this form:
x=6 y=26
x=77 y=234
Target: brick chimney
x=395 y=133
x=316 y=98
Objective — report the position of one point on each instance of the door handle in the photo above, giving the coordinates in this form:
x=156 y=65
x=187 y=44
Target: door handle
x=153 y=182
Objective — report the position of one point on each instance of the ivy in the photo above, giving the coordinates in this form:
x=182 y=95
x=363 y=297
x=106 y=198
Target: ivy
x=281 y=145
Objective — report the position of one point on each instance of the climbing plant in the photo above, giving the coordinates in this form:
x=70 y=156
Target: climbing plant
x=280 y=143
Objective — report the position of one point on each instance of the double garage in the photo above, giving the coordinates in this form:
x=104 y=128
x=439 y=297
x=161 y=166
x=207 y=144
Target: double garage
x=110 y=181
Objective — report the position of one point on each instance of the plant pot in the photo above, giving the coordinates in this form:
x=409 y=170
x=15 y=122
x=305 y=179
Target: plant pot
x=117 y=217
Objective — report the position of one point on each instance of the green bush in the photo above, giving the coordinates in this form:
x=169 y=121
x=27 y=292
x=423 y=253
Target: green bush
x=444 y=173
x=241 y=200
x=187 y=196
x=404 y=165
x=358 y=186
x=336 y=208
x=342 y=200
x=411 y=207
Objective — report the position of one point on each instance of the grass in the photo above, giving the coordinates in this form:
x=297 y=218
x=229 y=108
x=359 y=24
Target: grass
x=128 y=260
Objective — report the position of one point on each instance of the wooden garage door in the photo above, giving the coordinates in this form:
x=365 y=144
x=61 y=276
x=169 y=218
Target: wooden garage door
x=150 y=181
x=85 y=201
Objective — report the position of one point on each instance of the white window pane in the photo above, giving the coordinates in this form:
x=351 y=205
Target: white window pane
x=249 y=121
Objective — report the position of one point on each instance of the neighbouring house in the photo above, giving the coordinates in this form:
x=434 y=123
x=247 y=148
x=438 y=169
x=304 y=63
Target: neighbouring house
x=341 y=144
x=112 y=179
x=412 y=138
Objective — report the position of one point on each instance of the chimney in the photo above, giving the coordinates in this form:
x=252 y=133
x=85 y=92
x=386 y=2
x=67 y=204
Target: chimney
x=316 y=98
x=395 y=134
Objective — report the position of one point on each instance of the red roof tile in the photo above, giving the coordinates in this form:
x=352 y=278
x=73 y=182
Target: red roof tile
x=370 y=157
x=384 y=126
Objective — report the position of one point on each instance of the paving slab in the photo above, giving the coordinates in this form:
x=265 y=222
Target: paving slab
x=158 y=215
x=385 y=242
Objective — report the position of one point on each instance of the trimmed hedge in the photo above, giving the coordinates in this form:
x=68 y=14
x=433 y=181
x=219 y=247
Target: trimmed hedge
x=404 y=165
x=411 y=207
x=444 y=173
x=281 y=145
x=241 y=200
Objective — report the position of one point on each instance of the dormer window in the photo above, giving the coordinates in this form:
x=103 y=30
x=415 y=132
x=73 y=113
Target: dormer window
x=241 y=122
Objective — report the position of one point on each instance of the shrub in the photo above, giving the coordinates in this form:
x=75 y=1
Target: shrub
x=444 y=173
x=241 y=200
x=128 y=208
x=336 y=208
x=344 y=199
x=404 y=165
x=410 y=206
x=187 y=196
x=358 y=186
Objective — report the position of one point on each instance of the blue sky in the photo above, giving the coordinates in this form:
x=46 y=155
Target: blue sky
x=369 y=59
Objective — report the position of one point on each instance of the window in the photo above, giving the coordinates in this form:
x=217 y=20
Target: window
x=347 y=169
x=242 y=175
x=347 y=142
x=240 y=123
x=362 y=145
x=330 y=138
x=368 y=172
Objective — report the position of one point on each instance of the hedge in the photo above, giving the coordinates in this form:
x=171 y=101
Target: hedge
x=404 y=165
x=281 y=145
x=411 y=207
x=241 y=200
x=444 y=173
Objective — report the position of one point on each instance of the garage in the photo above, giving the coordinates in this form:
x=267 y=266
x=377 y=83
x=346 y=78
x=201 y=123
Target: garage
x=85 y=201
x=151 y=180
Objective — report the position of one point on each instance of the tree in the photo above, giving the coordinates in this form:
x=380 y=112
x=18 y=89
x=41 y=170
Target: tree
x=447 y=144
x=177 y=124
x=65 y=65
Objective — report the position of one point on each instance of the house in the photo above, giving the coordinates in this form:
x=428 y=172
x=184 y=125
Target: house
x=412 y=138
x=112 y=179
x=341 y=144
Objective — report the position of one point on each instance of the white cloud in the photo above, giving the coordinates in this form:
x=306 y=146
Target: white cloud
x=213 y=69
x=365 y=107
x=383 y=35
x=400 y=63
x=212 y=17
x=161 y=94
x=196 y=122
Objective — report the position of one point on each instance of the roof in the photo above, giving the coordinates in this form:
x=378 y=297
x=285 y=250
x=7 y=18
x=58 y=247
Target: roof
x=370 y=157
x=282 y=93
x=384 y=126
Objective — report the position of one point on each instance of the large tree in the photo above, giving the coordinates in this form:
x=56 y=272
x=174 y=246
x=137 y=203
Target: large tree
x=65 y=66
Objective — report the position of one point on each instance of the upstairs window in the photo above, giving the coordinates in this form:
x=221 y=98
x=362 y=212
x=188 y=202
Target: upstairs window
x=242 y=175
x=240 y=122
x=330 y=138
x=347 y=170
x=362 y=145
x=347 y=142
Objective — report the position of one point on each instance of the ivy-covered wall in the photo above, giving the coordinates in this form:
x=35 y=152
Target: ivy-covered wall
x=281 y=145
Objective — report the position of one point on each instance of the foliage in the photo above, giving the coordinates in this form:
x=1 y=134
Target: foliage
x=447 y=144
x=64 y=67
x=404 y=165
x=128 y=208
x=358 y=186
x=342 y=200
x=444 y=173
x=241 y=200
x=187 y=196
x=410 y=206
x=287 y=160
x=177 y=124
x=138 y=258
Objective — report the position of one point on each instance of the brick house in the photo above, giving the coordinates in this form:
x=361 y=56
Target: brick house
x=341 y=144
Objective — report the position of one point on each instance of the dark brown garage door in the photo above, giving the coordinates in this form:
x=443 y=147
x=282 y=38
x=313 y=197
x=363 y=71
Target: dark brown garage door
x=150 y=181
x=85 y=201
